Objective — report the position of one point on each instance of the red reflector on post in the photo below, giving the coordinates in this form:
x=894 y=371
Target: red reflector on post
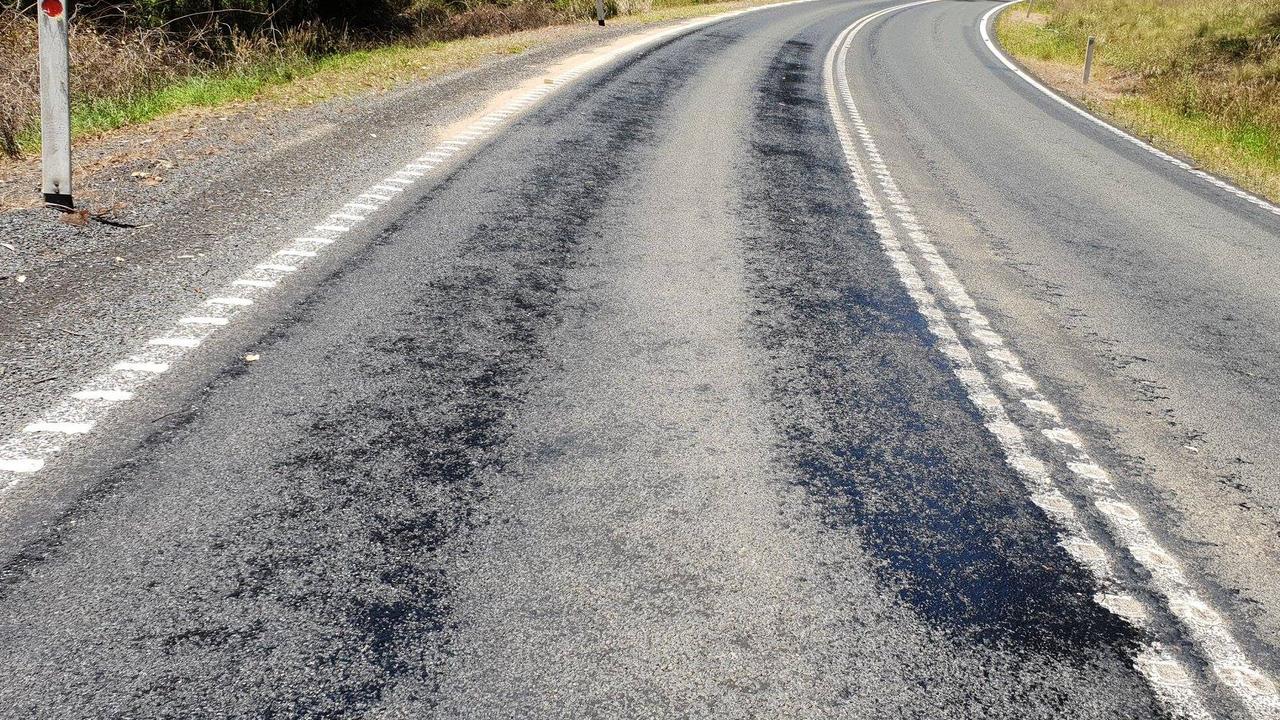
x=52 y=8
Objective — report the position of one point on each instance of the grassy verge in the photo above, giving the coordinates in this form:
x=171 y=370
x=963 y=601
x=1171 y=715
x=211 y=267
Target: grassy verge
x=296 y=78
x=95 y=117
x=1200 y=78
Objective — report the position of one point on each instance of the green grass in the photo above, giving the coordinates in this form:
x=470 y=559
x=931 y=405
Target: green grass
x=209 y=90
x=1025 y=39
x=1200 y=78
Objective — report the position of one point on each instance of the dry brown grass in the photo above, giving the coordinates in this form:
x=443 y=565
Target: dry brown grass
x=105 y=66
x=485 y=20
x=122 y=77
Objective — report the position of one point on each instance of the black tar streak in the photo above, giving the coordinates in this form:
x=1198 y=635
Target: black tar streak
x=876 y=425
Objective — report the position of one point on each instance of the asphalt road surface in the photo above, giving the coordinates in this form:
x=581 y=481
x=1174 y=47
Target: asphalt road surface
x=631 y=414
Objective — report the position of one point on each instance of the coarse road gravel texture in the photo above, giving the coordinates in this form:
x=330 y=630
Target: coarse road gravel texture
x=630 y=416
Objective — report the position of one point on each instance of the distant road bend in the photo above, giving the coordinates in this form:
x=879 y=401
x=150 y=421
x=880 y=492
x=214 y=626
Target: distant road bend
x=807 y=363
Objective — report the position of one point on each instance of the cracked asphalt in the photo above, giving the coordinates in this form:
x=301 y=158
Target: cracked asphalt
x=629 y=416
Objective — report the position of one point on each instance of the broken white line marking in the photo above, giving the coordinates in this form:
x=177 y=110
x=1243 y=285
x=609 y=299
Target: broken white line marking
x=21 y=464
x=67 y=428
x=175 y=342
x=108 y=395
x=204 y=320
x=147 y=367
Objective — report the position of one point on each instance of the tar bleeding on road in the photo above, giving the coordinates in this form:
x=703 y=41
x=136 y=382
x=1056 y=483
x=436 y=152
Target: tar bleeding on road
x=962 y=545
x=647 y=392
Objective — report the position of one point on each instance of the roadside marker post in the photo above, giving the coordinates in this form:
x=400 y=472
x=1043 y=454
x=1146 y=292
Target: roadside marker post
x=600 y=12
x=1088 y=59
x=55 y=104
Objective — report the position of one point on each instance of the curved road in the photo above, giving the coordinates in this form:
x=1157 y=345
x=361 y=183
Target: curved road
x=631 y=415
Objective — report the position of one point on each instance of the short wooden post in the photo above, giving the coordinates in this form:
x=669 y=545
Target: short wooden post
x=1088 y=59
x=55 y=104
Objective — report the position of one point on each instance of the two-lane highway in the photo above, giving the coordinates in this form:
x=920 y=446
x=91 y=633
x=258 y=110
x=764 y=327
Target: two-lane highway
x=645 y=410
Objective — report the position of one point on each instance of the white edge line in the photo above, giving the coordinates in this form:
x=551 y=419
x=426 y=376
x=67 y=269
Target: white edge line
x=66 y=428
x=108 y=395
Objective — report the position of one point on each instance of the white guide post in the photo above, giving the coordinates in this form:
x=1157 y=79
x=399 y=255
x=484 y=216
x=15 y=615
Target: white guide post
x=600 y=12
x=55 y=103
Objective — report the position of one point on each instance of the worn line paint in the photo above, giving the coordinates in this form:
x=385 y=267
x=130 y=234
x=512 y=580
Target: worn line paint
x=21 y=464
x=107 y=395
x=175 y=342
x=203 y=320
x=983 y=30
x=147 y=367
x=68 y=428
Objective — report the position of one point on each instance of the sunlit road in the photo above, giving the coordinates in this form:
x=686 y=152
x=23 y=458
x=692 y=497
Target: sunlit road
x=667 y=401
